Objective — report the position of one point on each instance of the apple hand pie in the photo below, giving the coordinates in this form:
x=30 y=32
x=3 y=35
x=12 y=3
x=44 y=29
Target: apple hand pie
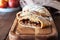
x=33 y=19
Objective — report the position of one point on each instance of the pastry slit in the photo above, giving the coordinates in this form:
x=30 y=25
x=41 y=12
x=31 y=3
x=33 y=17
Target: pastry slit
x=28 y=22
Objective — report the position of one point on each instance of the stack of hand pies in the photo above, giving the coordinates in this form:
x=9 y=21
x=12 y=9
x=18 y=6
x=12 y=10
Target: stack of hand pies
x=32 y=23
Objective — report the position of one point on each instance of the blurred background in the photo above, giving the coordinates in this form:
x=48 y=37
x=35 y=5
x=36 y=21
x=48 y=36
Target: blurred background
x=8 y=14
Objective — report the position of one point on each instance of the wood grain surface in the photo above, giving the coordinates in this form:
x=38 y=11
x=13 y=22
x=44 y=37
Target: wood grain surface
x=6 y=21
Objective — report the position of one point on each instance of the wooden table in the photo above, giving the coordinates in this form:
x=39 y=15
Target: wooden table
x=6 y=20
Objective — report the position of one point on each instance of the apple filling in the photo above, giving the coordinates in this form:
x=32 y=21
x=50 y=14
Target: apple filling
x=30 y=23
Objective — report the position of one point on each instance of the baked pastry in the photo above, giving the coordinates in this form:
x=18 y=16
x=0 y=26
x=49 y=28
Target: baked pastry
x=31 y=21
x=34 y=20
x=34 y=16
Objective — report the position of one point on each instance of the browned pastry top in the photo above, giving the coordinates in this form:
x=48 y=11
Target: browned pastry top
x=34 y=19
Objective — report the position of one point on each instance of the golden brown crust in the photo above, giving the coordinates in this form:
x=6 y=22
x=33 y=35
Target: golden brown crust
x=35 y=17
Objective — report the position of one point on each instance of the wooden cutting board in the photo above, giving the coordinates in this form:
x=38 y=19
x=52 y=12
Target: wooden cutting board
x=53 y=32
